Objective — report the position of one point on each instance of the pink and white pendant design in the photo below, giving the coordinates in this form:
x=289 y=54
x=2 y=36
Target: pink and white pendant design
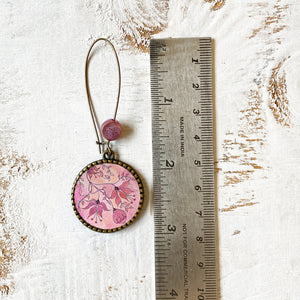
x=107 y=195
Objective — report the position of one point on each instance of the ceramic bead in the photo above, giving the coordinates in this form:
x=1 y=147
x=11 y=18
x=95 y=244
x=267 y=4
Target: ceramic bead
x=111 y=129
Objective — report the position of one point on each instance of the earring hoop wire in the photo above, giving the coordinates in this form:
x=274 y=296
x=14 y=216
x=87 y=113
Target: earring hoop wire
x=88 y=93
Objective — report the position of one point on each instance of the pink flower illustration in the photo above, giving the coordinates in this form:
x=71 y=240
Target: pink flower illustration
x=95 y=171
x=119 y=216
x=121 y=191
x=106 y=196
x=96 y=208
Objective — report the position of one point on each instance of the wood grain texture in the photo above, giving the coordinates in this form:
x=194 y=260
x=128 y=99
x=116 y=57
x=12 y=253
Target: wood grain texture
x=217 y=4
x=46 y=137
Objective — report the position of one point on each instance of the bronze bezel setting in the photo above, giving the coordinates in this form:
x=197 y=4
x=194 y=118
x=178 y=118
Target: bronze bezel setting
x=125 y=166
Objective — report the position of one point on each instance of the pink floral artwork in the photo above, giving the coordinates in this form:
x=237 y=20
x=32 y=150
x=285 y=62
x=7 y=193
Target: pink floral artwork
x=107 y=196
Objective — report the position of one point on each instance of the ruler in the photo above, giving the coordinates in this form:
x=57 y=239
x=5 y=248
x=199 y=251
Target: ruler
x=183 y=168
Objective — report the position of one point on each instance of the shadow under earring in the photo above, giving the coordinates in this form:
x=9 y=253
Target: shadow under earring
x=107 y=194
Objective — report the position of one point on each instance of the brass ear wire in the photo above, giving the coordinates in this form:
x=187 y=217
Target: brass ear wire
x=91 y=106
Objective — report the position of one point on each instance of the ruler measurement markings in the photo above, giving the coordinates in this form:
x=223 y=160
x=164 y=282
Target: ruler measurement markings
x=159 y=50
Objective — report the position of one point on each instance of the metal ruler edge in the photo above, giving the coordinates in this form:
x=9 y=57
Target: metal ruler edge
x=185 y=233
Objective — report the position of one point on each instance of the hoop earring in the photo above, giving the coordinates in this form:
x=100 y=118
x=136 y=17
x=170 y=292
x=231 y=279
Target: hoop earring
x=107 y=194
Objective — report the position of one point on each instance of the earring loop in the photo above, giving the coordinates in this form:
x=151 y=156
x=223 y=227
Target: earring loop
x=111 y=129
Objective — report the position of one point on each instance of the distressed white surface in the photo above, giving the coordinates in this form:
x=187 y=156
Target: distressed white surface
x=45 y=116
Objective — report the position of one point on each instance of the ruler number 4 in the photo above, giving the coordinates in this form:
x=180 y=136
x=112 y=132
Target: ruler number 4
x=173 y=293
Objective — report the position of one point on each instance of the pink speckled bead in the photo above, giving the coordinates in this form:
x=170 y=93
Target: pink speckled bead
x=111 y=129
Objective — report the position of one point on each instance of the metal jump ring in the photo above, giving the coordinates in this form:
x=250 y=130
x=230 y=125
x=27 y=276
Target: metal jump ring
x=108 y=154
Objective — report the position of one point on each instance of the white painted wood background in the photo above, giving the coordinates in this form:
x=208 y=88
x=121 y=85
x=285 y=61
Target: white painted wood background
x=46 y=137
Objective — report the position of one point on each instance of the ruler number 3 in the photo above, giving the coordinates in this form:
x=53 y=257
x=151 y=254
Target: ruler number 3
x=171 y=227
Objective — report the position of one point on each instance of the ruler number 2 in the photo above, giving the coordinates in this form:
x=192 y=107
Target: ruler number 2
x=170 y=163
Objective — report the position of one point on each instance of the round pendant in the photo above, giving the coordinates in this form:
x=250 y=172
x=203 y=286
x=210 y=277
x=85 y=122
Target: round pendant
x=107 y=195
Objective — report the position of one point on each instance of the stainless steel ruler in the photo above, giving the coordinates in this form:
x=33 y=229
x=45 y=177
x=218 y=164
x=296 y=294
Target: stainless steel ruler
x=183 y=168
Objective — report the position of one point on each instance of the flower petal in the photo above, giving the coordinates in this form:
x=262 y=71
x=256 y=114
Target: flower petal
x=91 y=203
x=103 y=206
x=127 y=190
x=113 y=194
x=100 y=210
x=118 y=200
x=123 y=195
x=92 y=211
x=124 y=184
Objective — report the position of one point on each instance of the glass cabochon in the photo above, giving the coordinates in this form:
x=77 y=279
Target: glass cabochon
x=107 y=195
